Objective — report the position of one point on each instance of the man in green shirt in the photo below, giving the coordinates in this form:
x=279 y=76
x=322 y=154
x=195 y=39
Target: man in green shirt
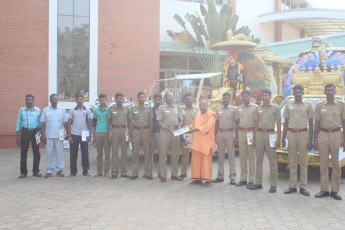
x=100 y=136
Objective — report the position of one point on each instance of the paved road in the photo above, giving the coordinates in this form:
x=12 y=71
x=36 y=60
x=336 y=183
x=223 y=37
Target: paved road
x=100 y=203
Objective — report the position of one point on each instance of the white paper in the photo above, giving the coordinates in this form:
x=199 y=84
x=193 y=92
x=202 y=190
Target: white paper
x=38 y=137
x=84 y=135
x=273 y=140
x=250 y=138
x=286 y=141
x=341 y=154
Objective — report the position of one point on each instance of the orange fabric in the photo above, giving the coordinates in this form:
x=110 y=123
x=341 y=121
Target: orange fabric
x=201 y=166
x=203 y=140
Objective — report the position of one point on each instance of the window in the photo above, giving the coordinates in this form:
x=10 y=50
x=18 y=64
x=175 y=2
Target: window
x=73 y=50
x=73 y=46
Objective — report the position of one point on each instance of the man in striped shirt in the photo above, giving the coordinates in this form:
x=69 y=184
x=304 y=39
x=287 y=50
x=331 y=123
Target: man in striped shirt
x=28 y=124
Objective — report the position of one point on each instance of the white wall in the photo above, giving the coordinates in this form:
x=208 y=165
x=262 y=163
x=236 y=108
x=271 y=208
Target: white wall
x=248 y=11
x=289 y=32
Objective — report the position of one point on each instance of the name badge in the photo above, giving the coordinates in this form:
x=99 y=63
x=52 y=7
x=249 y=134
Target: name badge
x=49 y=114
x=167 y=111
x=136 y=112
x=240 y=110
x=323 y=110
x=114 y=112
x=291 y=108
x=259 y=111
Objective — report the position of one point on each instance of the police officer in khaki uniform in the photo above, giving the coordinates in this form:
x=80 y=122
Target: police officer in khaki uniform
x=328 y=137
x=266 y=116
x=156 y=137
x=118 y=119
x=140 y=131
x=297 y=114
x=169 y=119
x=244 y=134
x=188 y=113
x=225 y=139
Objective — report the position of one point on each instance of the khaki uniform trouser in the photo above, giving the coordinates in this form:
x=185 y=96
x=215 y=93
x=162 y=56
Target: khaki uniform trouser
x=297 y=147
x=102 y=142
x=329 y=143
x=185 y=160
x=226 y=140
x=119 y=140
x=141 y=137
x=156 y=140
x=168 y=141
x=262 y=144
x=247 y=158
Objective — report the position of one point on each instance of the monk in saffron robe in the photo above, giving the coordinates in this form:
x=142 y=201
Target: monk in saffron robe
x=203 y=145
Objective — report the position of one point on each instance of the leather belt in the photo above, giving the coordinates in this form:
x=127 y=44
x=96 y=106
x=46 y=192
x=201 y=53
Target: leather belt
x=225 y=130
x=330 y=130
x=140 y=128
x=119 y=126
x=29 y=130
x=266 y=130
x=246 y=129
x=298 y=130
x=232 y=81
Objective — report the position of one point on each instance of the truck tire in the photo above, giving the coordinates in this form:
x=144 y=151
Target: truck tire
x=282 y=167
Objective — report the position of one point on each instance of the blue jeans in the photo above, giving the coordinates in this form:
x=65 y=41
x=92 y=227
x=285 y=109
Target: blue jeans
x=74 y=155
x=58 y=145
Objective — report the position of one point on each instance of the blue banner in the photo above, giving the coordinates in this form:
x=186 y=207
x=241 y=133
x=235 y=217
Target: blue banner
x=323 y=58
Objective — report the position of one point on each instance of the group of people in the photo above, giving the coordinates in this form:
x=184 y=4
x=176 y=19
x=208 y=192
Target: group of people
x=250 y=126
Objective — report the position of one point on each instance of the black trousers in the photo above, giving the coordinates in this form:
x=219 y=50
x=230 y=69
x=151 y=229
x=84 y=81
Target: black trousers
x=74 y=155
x=27 y=137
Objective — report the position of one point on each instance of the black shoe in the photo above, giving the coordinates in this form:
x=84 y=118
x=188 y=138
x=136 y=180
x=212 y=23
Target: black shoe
x=255 y=187
x=113 y=177
x=183 y=176
x=250 y=184
x=273 y=189
x=290 y=190
x=60 y=174
x=335 y=195
x=195 y=182
x=241 y=183
x=48 y=175
x=37 y=175
x=148 y=177
x=125 y=176
x=22 y=176
x=206 y=184
x=321 y=194
x=217 y=180
x=304 y=191
x=133 y=177
x=233 y=182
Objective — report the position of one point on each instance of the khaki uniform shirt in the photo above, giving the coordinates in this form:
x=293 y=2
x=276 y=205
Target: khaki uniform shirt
x=141 y=116
x=330 y=115
x=226 y=116
x=246 y=115
x=170 y=116
x=118 y=116
x=267 y=116
x=298 y=114
x=188 y=115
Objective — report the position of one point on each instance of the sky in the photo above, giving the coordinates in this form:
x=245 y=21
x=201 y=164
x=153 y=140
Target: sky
x=335 y=4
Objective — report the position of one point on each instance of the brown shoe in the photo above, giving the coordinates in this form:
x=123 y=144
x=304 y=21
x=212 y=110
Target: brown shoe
x=163 y=179
x=176 y=178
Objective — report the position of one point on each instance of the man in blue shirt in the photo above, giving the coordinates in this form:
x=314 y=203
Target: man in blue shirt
x=28 y=124
x=54 y=123
x=100 y=135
